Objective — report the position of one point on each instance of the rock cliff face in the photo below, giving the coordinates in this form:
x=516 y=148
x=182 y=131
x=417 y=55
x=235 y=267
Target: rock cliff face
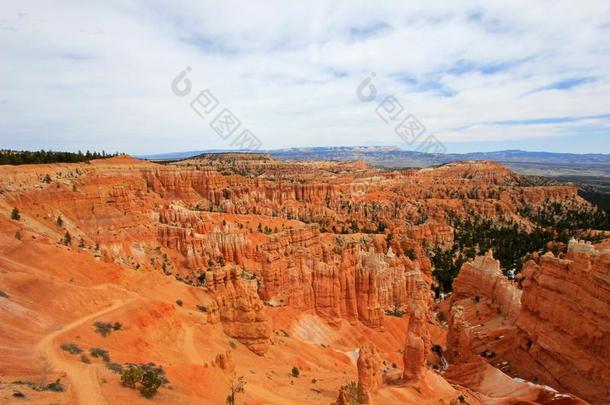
x=241 y=310
x=458 y=337
x=558 y=329
x=483 y=278
x=565 y=322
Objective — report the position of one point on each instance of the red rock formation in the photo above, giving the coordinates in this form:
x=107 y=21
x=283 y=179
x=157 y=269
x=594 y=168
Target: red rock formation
x=369 y=372
x=458 y=337
x=483 y=278
x=565 y=322
x=417 y=345
x=224 y=361
x=241 y=310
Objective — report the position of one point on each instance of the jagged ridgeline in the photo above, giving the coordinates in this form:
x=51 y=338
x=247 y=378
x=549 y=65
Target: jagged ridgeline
x=15 y=157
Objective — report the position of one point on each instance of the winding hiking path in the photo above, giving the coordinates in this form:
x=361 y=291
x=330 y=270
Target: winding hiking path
x=84 y=379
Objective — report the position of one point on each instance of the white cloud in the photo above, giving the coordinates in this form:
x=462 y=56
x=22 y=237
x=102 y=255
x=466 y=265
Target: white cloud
x=93 y=75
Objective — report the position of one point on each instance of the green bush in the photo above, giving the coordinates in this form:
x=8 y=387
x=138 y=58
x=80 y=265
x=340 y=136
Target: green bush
x=148 y=376
x=15 y=215
x=98 y=352
x=395 y=312
x=295 y=372
x=55 y=387
x=131 y=376
x=71 y=348
x=103 y=328
x=114 y=367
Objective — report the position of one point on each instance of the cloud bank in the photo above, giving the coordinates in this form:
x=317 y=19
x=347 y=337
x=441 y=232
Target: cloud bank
x=96 y=75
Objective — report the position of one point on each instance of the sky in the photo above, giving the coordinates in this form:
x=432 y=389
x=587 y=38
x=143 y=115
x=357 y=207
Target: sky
x=475 y=76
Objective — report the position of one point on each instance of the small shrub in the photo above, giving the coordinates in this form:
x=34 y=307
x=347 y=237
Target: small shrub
x=295 y=372
x=67 y=239
x=103 y=328
x=179 y=302
x=477 y=298
x=3 y=294
x=15 y=215
x=55 y=387
x=395 y=312
x=313 y=381
x=117 y=326
x=202 y=308
x=71 y=348
x=351 y=393
x=47 y=178
x=98 y=352
x=437 y=349
x=114 y=367
x=131 y=375
x=85 y=359
x=59 y=221
x=148 y=376
x=18 y=235
x=151 y=381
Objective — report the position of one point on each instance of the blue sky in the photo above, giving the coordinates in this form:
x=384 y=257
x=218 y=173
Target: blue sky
x=479 y=76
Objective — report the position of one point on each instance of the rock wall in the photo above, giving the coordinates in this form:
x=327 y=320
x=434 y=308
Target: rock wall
x=483 y=278
x=565 y=322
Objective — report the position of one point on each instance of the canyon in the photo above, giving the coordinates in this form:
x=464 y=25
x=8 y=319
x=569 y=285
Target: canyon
x=232 y=271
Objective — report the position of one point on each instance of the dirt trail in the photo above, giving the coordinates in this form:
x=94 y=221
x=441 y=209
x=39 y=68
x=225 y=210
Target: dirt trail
x=84 y=380
x=190 y=349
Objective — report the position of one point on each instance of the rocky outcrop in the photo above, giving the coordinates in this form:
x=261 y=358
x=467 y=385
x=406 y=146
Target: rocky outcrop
x=369 y=372
x=458 y=337
x=224 y=361
x=564 y=323
x=483 y=278
x=241 y=309
x=417 y=345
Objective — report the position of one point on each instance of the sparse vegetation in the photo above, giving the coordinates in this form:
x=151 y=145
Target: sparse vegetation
x=15 y=215
x=397 y=312
x=71 y=348
x=114 y=367
x=351 y=393
x=148 y=377
x=59 y=221
x=54 y=386
x=295 y=371
x=202 y=308
x=85 y=359
x=104 y=328
x=237 y=386
x=67 y=240
x=100 y=353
